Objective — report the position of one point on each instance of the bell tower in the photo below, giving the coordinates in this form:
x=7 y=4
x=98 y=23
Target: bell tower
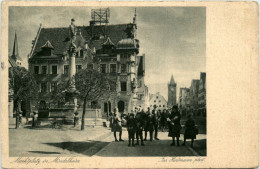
x=172 y=92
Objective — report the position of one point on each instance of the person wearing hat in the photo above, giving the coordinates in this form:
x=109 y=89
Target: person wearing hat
x=190 y=130
x=117 y=125
x=174 y=125
x=140 y=117
x=131 y=128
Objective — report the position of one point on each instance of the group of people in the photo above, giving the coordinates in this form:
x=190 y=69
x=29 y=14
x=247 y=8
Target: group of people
x=149 y=122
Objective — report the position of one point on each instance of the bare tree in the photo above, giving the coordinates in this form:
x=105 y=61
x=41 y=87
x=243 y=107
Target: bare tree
x=92 y=85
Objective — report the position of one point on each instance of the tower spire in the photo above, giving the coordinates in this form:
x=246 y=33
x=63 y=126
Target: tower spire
x=15 y=47
x=172 y=80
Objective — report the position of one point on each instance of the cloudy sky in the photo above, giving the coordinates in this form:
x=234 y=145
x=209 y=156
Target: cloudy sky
x=172 y=38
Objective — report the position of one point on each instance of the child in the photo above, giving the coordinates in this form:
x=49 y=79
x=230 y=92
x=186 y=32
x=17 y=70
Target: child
x=131 y=128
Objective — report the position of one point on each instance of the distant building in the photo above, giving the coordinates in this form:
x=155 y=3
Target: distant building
x=172 y=93
x=157 y=100
x=183 y=100
x=194 y=91
x=202 y=94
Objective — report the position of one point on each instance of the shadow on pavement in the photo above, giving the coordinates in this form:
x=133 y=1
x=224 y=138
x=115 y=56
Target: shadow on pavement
x=200 y=146
x=44 y=152
x=160 y=148
x=86 y=148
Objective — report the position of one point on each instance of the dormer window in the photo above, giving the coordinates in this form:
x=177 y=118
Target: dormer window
x=47 y=49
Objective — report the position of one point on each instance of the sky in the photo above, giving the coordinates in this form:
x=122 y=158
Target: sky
x=173 y=39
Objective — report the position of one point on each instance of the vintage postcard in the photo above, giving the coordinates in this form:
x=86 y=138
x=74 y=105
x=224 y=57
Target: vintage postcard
x=129 y=85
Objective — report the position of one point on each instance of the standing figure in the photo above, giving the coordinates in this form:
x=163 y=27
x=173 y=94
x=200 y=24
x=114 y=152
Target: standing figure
x=140 y=123
x=155 y=119
x=150 y=123
x=145 y=123
x=76 y=118
x=34 y=119
x=190 y=130
x=117 y=125
x=163 y=119
x=174 y=125
x=131 y=128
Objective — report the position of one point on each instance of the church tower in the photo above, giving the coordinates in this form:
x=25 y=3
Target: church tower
x=172 y=92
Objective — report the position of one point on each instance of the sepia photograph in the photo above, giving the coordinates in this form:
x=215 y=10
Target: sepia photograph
x=129 y=85
x=107 y=82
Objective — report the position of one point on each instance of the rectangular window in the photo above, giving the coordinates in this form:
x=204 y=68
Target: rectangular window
x=66 y=69
x=103 y=68
x=123 y=86
x=78 y=68
x=36 y=69
x=43 y=87
x=123 y=68
x=81 y=53
x=44 y=70
x=53 y=86
x=54 y=69
x=113 y=68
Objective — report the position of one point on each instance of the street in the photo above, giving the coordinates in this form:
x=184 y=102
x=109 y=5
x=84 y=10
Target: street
x=97 y=141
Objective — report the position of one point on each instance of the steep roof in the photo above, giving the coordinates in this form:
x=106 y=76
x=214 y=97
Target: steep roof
x=172 y=80
x=15 y=53
x=59 y=37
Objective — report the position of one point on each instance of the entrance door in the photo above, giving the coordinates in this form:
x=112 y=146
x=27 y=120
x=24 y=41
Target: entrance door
x=121 y=106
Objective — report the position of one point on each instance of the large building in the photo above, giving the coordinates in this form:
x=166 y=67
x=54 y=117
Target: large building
x=158 y=101
x=112 y=49
x=202 y=94
x=172 y=100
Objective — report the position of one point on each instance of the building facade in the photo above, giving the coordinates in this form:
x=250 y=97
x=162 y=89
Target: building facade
x=172 y=100
x=112 y=49
x=202 y=95
x=194 y=91
x=158 y=101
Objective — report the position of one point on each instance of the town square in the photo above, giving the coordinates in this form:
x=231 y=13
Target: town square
x=107 y=82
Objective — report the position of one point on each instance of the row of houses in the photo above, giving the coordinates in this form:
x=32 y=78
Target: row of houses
x=193 y=99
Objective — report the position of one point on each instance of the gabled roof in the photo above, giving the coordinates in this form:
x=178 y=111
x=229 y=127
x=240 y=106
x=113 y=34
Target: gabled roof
x=48 y=45
x=59 y=37
x=109 y=42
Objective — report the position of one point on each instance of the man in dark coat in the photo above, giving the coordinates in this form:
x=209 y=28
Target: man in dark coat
x=140 y=122
x=145 y=123
x=150 y=123
x=174 y=125
x=191 y=131
x=156 y=123
x=131 y=128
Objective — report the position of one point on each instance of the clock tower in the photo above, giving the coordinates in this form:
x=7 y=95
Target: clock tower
x=172 y=92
